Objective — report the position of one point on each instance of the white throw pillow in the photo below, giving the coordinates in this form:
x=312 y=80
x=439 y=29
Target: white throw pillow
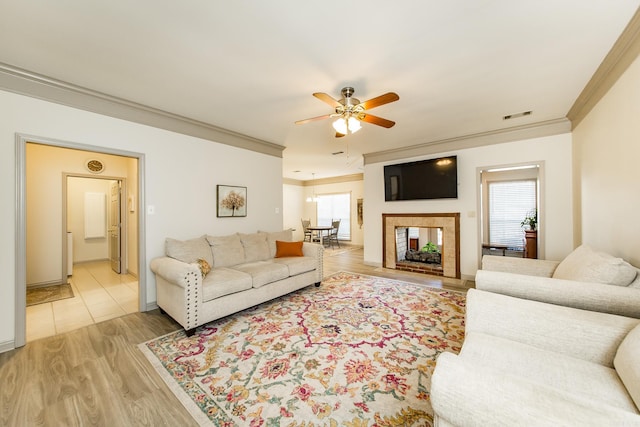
x=636 y=282
x=627 y=363
x=189 y=251
x=255 y=247
x=586 y=265
x=227 y=250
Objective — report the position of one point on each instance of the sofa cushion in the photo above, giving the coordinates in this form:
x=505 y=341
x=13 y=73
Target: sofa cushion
x=255 y=247
x=227 y=250
x=284 y=236
x=298 y=265
x=589 y=380
x=586 y=265
x=264 y=272
x=627 y=363
x=636 y=282
x=189 y=251
x=288 y=249
x=223 y=281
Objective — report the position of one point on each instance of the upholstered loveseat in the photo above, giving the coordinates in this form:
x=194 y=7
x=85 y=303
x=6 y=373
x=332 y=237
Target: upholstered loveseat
x=530 y=363
x=204 y=279
x=586 y=279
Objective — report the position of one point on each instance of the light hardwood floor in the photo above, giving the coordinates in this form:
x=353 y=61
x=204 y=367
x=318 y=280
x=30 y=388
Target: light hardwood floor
x=96 y=376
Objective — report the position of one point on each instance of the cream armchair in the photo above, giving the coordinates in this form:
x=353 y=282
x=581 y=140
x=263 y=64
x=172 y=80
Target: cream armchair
x=585 y=279
x=529 y=363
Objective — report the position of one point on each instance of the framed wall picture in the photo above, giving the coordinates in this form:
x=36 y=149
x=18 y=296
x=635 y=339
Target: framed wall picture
x=232 y=201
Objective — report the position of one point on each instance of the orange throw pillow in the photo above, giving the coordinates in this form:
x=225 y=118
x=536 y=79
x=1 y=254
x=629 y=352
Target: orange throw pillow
x=286 y=249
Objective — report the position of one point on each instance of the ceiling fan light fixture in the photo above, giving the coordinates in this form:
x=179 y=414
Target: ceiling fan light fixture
x=347 y=126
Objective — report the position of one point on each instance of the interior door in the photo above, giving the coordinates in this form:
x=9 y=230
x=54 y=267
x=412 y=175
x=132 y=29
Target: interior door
x=115 y=226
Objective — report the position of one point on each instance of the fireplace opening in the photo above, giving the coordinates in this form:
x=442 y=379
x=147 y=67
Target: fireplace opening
x=441 y=229
x=419 y=249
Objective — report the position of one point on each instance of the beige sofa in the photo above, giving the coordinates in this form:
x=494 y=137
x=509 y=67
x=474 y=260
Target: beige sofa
x=245 y=270
x=586 y=279
x=530 y=363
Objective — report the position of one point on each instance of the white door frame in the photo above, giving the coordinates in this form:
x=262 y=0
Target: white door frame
x=20 y=308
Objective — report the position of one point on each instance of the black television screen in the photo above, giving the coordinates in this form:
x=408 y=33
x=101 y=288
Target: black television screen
x=425 y=179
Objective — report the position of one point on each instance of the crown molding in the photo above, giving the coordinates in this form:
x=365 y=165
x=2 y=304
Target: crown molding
x=517 y=133
x=291 y=181
x=23 y=82
x=323 y=181
x=334 y=180
x=624 y=51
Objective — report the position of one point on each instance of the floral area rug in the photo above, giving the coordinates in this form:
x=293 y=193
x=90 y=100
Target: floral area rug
x=358 y=351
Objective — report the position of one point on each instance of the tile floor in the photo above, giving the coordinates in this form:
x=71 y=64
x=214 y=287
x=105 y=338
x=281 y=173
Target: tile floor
x=99 y=294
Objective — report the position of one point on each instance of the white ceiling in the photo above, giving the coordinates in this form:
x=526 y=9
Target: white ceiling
x=251 y=66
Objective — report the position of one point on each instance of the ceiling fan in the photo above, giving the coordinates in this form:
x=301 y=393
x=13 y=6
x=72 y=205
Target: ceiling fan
x=349 y=111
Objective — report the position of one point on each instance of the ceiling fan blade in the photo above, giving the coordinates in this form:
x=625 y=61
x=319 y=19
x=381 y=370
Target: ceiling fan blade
x=313 y=119
x=365 y=117
x=339 y=135
x=380 y=100
x=328 y=99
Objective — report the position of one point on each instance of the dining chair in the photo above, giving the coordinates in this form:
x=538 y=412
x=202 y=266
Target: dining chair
x=333 y=234
x=308 y=234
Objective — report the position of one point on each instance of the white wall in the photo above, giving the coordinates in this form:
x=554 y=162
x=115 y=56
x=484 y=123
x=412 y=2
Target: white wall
x=83 y=249
x=293 y=200
x=554 y=151
x=181 y=173
x=133 y=197
x=607 y=171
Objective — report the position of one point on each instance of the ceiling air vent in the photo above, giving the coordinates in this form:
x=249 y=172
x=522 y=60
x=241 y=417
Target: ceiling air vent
x=516 y=115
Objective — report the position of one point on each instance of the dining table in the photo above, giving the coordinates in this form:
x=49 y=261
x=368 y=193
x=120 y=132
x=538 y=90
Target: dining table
x=321 y=229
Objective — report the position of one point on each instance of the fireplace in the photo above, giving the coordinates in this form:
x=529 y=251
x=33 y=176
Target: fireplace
x=449 y=223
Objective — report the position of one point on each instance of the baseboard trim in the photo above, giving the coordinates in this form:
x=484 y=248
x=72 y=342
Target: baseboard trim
x=372 y=264
x=7 y=346
x=151 y=306
x=468 y=277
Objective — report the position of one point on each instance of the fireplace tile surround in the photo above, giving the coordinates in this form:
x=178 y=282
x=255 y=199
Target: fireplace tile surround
x=450 y=224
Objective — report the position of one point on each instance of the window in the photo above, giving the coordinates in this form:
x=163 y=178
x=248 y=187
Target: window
x=509 y=203
x=334 y=207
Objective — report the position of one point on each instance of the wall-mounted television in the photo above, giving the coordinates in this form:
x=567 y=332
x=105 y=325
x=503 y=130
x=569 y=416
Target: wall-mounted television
x=424 y=179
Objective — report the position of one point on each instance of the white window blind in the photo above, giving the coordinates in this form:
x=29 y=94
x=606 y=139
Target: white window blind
x=334 y=207
x=509 y=204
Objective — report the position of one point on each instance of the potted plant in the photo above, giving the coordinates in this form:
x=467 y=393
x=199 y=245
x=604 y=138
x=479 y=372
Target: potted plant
x=530 y=222
x=530 y=225
x=430 y=253
x=431 y=248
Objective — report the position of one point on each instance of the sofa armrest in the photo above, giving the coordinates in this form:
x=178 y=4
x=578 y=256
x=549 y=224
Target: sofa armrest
x=465 y=393
x=316 y=251
x=586 y=335
x=174 y=271
x=312 y=249
x=528 y=266
x=620 y=300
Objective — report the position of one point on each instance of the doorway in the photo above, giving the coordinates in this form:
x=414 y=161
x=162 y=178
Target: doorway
x=509 y=196
x=95 y=219
x=77 y=159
